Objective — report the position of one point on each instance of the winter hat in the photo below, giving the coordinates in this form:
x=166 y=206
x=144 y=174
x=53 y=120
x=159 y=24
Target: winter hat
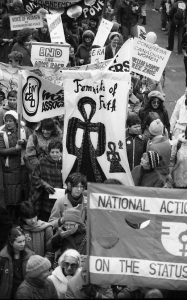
x=73 y=215
x=156 y=127
x=36 y=265
x=112 y=35
x=156 y=94
x=70 y=252
x=133 y=119
x=151 y=37
x=12 y=113
x=153 y=159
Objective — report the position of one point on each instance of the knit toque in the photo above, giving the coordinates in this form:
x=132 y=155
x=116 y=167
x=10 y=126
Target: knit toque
x=36 y=265
x=156 y=127
x=153 y=159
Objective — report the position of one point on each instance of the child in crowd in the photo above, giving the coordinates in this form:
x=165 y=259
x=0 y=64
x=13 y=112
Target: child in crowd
x=135 y=144
x=45 y=178
x=38 y=234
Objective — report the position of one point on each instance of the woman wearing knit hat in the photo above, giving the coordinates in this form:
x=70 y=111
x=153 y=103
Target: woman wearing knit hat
x=147 y=173
x=83 y=52
x=15 y=176
x=36 y=284
x=155 y=103
x=159 y=143
x=13 y=260
x=68 y=265
x=72 y=233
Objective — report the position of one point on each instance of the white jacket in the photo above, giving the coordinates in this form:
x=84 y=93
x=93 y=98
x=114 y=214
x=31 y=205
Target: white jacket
x=60 y=282
x=179 y=115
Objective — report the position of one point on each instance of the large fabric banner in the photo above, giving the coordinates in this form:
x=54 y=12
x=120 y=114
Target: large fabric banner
x=41 y=99
x=94 y=125
x=49 y=55
x=149 y=59
x=123 y=59
x=19 y=22
x=153 y=255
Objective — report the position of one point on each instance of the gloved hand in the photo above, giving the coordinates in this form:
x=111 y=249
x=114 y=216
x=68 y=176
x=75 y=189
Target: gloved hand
x=65 y=233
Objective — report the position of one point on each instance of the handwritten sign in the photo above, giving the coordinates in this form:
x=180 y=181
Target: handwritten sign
x=102 y=32
x=49 y=55
x=149 y=59
x=141 y=32
x=19 y=22
x=56 y=28
x=97 y=55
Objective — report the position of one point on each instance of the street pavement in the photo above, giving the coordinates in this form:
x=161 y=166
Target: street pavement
x=175 y=72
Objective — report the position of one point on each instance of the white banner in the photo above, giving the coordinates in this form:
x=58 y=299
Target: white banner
x=97 y=55
x=149 y=59
x=41 y=99
x=18 y=22
x=94 y=131
x=102 y=32
x=49 y=55
x=56 y=28
x=123 y=58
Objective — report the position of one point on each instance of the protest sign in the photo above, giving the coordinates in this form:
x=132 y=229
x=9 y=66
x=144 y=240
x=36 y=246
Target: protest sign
x=56 y=28
x=102 y=32
x=120 y=253
x=149 y=59
x=31 y=6
x=141 y=32
x=94 y=132
x=41 y=99
x=49 y=55
x=19 y=22
x=97 y=55
x=122 y=60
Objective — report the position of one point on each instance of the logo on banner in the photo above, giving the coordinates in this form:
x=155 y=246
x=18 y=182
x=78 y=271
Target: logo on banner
x=174 y=238
x=30 y=95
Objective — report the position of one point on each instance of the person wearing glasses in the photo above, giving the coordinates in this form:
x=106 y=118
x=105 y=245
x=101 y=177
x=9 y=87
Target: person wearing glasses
x=74 y=197
x=68 y=265
x=155 y=103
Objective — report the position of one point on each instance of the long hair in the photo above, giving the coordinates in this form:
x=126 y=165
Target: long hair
x=15 y=232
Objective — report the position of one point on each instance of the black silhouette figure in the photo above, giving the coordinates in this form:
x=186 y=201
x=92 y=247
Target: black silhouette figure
x=86 y=161
x=114 y=159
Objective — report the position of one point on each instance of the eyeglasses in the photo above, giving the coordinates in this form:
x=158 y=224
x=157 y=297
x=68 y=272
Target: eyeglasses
x=66 y=265
x=155 y=101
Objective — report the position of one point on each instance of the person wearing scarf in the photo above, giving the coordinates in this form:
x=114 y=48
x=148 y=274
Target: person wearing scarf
x=74 y=197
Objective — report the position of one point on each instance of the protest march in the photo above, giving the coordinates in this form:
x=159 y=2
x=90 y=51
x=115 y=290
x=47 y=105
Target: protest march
x=93 y=164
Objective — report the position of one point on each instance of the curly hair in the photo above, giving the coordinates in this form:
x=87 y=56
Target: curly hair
x=23 y=35
x=16 y=55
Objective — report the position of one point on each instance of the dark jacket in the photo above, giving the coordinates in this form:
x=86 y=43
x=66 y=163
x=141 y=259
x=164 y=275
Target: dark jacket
x=26 y=54
x=125 y=14
x=6 y=271
x=5 y=225
x=109 y=53
x=83 y=52
x=31 y=288
x=149 y=178
x=47 y=171
x=135 y=146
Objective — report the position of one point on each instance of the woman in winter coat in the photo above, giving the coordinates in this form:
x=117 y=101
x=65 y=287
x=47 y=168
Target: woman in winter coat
x=13 y=260
x=83 y=52
x=15 y=175
x=38 y=142
x=74 y=197
x=68 y=265
x=113 y=47
x=23 y=45
x=155 y=103
x=38 y=234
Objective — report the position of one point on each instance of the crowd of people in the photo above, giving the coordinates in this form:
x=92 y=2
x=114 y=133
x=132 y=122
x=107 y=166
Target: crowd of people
x=43 y=240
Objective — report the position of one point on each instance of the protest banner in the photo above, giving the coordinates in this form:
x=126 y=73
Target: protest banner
x=56 y=28
x=41 y=99
x=31 y=6
x=19 y=22
x=49 y=55
x=8 y=78
x=97 y=55
x=141 y=32
x=152 y=255
x=102 y=32
x=94 y=132
x=149 y=59
x=123 y=58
